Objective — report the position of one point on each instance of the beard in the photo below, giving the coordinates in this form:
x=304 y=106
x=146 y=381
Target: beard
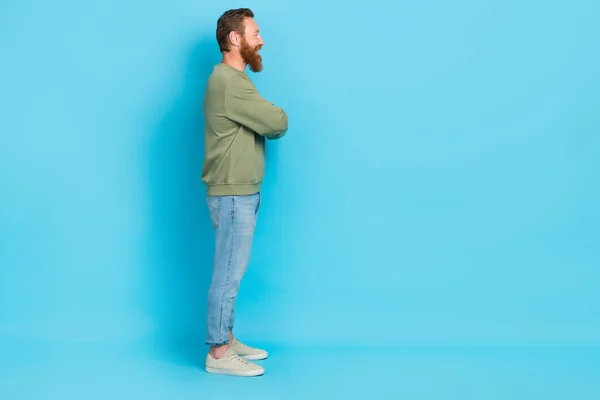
x=251 y=57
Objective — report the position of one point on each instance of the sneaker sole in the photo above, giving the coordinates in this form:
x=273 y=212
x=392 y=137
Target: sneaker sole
x=256 y=357
x=234 y=373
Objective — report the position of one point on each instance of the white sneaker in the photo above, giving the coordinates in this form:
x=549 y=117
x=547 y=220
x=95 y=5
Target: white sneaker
x=232 y=364
x=249 y=353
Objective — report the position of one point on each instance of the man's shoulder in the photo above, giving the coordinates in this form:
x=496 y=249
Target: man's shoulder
x=229 y=80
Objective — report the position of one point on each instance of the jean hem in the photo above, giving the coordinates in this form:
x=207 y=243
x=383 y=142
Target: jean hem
x=217 y=343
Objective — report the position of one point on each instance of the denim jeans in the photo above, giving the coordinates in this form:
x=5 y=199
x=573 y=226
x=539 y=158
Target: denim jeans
x=234 y=221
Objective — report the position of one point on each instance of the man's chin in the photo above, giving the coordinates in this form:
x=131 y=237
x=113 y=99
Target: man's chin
x=256 y=67
x=259 y=65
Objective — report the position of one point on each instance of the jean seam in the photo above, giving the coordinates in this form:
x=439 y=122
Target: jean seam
x=229 y=259
x=215 y=211
x=218 y=211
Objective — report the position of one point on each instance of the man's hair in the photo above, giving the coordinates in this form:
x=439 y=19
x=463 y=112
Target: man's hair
x=231 y=20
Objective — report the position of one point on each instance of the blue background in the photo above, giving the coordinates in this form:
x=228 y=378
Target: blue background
x=438 y=186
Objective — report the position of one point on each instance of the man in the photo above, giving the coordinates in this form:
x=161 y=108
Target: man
x=237 y=122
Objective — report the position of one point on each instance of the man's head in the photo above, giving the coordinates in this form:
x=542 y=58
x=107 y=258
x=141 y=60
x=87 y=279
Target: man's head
x=238 y=34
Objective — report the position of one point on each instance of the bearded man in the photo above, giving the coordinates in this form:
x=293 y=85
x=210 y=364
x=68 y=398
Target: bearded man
x=237 y=121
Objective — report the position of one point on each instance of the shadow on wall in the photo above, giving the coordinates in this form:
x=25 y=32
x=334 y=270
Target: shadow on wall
x=180 y=246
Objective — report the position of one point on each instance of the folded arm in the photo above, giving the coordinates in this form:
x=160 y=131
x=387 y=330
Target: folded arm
x=244 y=105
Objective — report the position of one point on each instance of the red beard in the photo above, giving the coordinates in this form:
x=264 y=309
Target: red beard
x=251 y=57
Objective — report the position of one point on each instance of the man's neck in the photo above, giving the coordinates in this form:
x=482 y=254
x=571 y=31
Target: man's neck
x=234 y=60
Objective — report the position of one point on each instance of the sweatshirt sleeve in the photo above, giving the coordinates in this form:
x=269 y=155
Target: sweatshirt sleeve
x=244 y=105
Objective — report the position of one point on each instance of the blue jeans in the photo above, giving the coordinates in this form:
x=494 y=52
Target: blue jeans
x=234 y=221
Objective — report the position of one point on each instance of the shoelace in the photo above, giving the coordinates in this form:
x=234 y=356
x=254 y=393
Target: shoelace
x=238 y=360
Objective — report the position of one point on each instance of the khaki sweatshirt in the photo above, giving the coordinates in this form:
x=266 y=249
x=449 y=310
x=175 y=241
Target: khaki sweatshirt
x=237 y=119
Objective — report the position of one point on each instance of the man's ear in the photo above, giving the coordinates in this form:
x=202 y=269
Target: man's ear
x=234 y=38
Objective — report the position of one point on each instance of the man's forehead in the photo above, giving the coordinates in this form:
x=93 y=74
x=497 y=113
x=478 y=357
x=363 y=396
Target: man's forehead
x=251 y=24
